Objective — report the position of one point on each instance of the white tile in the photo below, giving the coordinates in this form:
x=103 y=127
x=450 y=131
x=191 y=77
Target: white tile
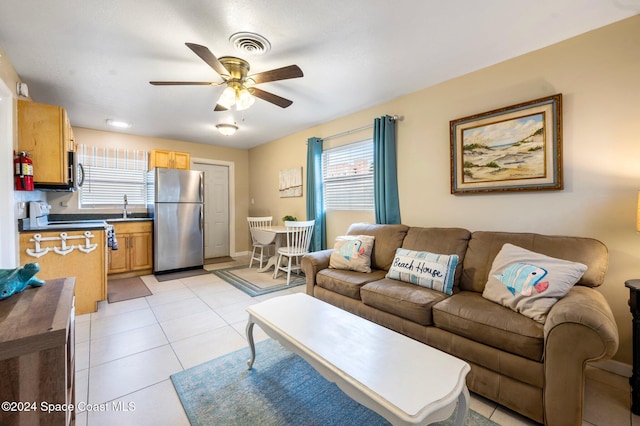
x=204 y=289
x=606 y=404
x=192 y=325
x=82 y=355
x=258 y=334
x=81 y=419
x=83 y=331
x=127 y=343
x=158 y=287
x=119 y=323
x=482 y=405
x=106 y=309
x=209 y=345
x=82 y=387
x=179 y=308
x=154 y=405
x=83 y=318
x=169 y=296
x=224 y=298
x=235 y=312
x=123 y=376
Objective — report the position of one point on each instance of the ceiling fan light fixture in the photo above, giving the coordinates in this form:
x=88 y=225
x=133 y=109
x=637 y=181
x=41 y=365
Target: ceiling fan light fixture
x=227 y=129
x=228 y=97
x=244 y=99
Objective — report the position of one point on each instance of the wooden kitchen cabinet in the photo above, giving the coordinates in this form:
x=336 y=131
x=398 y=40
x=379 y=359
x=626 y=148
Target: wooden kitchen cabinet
x=169 y=159
x=37 y=355
x=134 y=256
x=89 y=269
x=44 y=131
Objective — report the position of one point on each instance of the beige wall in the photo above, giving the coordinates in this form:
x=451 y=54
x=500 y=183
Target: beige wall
x=597 y=73
x=239 y=157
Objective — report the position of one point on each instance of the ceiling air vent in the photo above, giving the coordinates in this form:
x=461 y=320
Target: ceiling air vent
x=251 y=43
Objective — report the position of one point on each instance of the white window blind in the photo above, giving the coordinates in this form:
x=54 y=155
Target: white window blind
x=111 y=173
x=347 y=173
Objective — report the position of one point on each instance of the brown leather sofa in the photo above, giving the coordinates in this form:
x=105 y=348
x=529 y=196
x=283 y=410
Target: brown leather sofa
x=533 y=368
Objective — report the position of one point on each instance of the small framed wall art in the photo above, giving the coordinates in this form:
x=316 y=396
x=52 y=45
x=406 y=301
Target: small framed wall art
x=516 y=148
x=290 y=182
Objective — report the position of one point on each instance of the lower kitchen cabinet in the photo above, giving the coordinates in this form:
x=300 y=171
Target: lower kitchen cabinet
x=135 y=250
x=37 y=357
x=70 y=253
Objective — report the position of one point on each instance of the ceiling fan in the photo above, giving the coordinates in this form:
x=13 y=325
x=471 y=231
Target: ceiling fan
x=240 y=90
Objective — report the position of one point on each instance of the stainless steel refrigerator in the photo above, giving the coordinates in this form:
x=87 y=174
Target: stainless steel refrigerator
x=176 y=204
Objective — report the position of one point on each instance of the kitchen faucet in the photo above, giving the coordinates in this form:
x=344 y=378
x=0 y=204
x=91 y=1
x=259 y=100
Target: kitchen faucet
x=124 y=211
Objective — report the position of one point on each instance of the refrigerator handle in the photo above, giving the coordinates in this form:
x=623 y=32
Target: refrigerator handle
x=201 y=187
x=201 y=217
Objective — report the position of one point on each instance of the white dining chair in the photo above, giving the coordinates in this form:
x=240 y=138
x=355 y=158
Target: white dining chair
x=258 y=244
x=298 y=242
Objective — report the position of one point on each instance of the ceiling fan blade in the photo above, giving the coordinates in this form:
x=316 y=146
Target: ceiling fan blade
x=284 y=73
x=205 y=54
x=183 y=83
x=220 y=108
x=270 y=97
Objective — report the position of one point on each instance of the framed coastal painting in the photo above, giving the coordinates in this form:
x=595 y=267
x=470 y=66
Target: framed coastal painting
x=516 y=148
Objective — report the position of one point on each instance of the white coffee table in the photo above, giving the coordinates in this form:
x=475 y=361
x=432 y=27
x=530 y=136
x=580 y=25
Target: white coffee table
x=403 y=380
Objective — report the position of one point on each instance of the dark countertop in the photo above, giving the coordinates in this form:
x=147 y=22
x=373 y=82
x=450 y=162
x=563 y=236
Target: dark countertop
x=79 y=222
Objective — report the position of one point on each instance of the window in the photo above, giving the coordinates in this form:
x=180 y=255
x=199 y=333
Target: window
x=110 y=174
x=347 y=174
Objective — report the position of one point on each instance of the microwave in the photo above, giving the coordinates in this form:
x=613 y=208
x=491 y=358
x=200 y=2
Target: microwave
x=73 y=180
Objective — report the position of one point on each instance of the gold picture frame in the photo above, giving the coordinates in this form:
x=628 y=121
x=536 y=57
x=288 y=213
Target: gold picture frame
x=516 y=148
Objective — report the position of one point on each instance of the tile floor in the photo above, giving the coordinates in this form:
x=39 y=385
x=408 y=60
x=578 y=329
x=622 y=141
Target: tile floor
x=126 y=352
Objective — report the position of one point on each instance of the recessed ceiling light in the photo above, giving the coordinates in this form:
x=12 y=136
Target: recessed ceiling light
x=118 y=124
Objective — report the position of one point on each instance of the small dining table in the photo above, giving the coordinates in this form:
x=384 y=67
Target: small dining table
x=268 y=235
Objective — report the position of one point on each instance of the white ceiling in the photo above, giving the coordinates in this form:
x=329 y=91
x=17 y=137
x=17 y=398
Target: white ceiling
x=96 y=57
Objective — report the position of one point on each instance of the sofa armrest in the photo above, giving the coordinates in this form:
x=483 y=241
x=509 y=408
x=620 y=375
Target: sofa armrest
x=312 y=263
x=579 y=328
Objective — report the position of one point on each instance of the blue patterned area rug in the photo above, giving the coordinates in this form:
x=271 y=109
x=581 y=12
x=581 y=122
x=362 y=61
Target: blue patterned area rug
x=256 y=283
x=281 y=389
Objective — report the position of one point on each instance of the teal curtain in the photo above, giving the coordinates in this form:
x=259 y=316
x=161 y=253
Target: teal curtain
x=315 y=198
x=385 y=175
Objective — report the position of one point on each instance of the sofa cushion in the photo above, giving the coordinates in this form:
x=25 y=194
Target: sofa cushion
x=470 y=315
x=528 y=282
x=402 y=299
x=352 y=252
x=484 y=246
x=388 y=239
x=440 y=240
x=430 y=270
x=345 y=282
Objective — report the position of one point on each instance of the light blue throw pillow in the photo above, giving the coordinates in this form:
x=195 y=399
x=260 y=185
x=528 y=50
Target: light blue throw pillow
x=434 y=271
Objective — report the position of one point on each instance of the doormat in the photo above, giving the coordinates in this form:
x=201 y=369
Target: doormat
x=126 y=289
x=256 y=283
x=214 y=260
x=180 y=274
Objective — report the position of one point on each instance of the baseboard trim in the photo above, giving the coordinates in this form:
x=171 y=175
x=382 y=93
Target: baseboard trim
x=615 y=367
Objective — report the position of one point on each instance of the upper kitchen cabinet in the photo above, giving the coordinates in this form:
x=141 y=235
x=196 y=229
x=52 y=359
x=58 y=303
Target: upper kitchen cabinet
x=45 y=132
x=169 y=159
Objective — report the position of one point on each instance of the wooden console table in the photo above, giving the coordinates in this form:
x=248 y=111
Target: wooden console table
x=634 y=305
x=37 y=368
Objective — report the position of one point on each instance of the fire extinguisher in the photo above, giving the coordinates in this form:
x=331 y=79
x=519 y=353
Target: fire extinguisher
x=23 y=166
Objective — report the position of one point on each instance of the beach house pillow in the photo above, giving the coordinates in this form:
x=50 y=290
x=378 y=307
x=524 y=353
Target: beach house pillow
x=434 y=271
x=352 y=252
x=528 y=282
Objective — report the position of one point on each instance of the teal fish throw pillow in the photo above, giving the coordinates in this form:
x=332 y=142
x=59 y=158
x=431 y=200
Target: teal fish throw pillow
x=528 y=282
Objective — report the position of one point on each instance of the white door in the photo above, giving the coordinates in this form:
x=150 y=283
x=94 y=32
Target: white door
x=216 y=209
